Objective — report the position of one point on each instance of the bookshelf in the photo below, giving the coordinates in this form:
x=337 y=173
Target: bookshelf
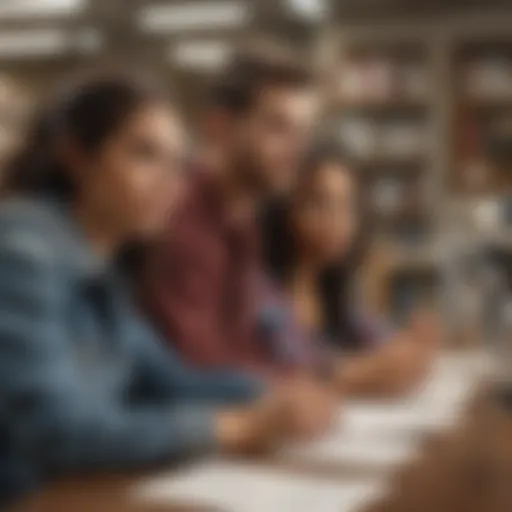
x=429 y=112
x=483 y=117
x=383 y=112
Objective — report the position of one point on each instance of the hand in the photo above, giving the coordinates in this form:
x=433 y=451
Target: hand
x=311 y=407
x=425 y=327
x=252 y=430
x=401 y=364
x=396 y=366
x=301 y=408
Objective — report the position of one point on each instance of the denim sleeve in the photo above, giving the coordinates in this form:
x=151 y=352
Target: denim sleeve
x=53 y=421
x=162 y=373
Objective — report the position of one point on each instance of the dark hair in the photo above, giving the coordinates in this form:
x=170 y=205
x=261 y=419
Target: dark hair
x=86 y=112
x=280 y=251
x=253 y=69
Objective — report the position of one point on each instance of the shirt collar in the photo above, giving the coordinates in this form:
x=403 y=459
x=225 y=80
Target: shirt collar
x=79 y=252
x=211 y=196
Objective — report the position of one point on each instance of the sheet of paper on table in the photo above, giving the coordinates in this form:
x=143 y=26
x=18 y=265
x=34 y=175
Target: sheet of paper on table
x=355 y=452
x=242 y=487
x=383 y=434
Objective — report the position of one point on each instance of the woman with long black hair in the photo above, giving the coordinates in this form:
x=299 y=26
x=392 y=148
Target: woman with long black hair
x=309 y=243
x=84 y=382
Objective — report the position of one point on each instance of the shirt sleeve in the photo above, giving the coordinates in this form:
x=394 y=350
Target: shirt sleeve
x=371 y=331
x=179 y=293
x=54 y=420
x=163 y=374
x=288 y=346
x=360 y=331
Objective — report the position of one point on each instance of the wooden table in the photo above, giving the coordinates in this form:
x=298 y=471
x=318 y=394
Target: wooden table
x=468 y=469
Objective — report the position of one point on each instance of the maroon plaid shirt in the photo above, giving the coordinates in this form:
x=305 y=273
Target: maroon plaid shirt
x=202 y=285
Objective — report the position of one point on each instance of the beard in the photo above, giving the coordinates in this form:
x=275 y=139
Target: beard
x=250 y=175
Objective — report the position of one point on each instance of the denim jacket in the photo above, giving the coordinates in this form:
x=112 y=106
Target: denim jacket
x=84 y=383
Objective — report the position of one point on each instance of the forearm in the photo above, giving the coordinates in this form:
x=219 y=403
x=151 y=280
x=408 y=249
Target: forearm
x=357 y=375
x=389 y=369
x=162 y=374
x=79 y=438
x=220 y=387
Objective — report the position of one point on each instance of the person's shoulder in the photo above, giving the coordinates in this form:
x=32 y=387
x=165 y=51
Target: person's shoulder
x=196 y=208
x=28 y=230
x=23 y=209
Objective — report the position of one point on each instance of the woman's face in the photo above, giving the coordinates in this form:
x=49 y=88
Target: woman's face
x=324 y=214
x=134 y=179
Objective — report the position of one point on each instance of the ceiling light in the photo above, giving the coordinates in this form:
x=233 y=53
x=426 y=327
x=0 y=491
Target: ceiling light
x=202 y=55
x=313 y=10
x=89 y=40
x=194 y=16
x=28 y=43
x=39 y=8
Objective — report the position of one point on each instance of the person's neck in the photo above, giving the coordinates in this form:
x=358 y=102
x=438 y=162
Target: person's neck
x=104 y=238
x=240 y=200
x=210 y=157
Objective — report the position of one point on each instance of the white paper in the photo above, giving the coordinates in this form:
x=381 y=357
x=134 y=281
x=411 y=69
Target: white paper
x=238 y=487
x=355 y=452
x=396 y=419
x=379 y=434
x=386 y=433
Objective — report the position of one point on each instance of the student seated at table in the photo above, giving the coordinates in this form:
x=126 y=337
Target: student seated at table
x=309 y=243
x=202 y=283
x=84 y=382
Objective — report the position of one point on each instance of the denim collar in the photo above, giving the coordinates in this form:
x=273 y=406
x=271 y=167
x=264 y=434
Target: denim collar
x=78 y=251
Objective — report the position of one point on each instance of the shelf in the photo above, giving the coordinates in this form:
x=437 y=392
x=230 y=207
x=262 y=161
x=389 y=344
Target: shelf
x=501 y=240
x=492 y=103
x=385 y=107
x=415 y=257
x=386 y=163
x=408 y=213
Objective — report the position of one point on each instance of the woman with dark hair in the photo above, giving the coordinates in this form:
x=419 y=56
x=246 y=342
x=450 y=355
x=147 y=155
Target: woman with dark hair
x=309 y=244
x=84 y=383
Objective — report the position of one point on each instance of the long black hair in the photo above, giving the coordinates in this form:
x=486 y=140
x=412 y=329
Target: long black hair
x=281 y=252
x=85 y=111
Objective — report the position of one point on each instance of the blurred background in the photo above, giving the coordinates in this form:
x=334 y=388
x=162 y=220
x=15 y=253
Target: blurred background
x=420 y=92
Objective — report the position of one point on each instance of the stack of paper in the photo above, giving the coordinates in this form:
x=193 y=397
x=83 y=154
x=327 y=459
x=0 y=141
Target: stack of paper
x=237 y=487
x=380 y=435
x=354 y=452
